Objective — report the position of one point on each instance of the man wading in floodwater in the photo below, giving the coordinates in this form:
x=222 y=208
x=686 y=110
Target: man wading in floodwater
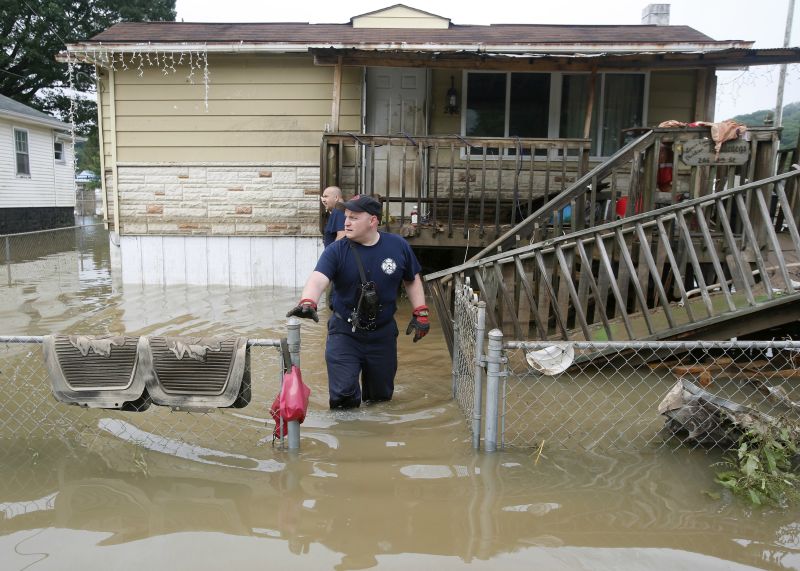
x=366 y=270
x=334 y=228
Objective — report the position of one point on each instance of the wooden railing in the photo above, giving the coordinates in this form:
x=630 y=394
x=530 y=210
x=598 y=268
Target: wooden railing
x=650 y=172
x=459 y=187
x=722 y=262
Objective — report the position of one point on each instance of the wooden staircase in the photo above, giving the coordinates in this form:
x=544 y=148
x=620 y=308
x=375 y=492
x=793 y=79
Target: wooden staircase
x=721 y=265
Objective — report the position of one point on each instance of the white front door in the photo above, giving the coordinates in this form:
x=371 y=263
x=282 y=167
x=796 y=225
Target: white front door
x=395 y=105
x=396 y=101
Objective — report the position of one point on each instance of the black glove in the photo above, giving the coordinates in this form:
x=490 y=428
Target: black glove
x=419 y=323
x=306 y=309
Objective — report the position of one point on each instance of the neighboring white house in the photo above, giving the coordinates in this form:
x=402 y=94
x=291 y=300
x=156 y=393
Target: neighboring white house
x=37 y=177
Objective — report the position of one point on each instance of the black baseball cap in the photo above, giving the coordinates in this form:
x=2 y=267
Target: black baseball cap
x=363 y=203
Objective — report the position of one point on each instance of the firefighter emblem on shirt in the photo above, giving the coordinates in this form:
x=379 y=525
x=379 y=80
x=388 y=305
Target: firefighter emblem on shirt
x=388 y=266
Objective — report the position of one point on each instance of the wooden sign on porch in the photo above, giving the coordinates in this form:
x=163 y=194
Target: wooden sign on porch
x=700 y=152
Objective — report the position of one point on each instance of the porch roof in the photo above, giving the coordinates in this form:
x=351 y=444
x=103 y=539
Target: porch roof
x=543 y=61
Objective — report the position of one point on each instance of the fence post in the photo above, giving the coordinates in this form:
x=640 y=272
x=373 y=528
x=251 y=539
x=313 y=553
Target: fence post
x=493 y=361
x=8 y=259
x=477 y=400
x=293 y=340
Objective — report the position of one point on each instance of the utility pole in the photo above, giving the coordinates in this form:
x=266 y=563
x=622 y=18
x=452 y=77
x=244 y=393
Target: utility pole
x=787 y=36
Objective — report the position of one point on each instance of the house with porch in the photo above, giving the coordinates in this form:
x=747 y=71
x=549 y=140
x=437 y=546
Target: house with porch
x=217 y=138
x=37 y=188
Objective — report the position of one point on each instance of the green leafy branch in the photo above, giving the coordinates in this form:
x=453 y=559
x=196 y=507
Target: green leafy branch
x=762 y=469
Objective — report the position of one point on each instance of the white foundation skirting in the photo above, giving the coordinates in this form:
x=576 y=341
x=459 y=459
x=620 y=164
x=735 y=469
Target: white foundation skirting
x=248 y=261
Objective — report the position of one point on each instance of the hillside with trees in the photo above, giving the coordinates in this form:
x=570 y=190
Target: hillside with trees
x=791 y=122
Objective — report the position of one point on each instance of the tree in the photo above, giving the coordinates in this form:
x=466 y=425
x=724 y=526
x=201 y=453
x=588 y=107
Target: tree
x=32 y=32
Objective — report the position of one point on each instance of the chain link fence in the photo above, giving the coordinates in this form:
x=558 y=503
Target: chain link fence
x=619 y=395
x=32 y=420
x=32 y=257
x=468 y=328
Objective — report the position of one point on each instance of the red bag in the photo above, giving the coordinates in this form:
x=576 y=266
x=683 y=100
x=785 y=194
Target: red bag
x=291 y=403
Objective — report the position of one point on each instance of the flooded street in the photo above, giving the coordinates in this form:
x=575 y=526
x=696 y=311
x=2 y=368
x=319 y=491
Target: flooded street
x=394 y=485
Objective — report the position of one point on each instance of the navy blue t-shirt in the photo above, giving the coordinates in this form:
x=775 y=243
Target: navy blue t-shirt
x=335 y=224
x=387 y=263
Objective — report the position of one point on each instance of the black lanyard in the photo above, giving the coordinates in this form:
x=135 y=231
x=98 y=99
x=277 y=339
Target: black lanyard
x=361 y=272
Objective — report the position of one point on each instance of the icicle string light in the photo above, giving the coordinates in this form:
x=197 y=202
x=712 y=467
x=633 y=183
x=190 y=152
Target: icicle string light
x=194 y=61
x=206 y=79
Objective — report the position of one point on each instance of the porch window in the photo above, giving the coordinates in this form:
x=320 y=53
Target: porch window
x=21 y=151
x=574 y=99
x=623 y=101
x=520 y=104
x=58 y=151
x=507 y=105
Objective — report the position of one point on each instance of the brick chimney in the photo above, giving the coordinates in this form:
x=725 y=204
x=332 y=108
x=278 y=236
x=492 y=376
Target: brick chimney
x=656 y=14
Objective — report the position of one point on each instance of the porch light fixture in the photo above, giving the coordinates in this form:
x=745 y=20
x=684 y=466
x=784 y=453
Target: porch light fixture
x=451 y=101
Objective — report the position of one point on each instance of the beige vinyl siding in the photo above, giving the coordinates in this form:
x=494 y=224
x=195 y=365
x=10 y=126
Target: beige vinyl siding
x=260 y=109
x=400 y=17
x=49 y=184
x=672 y=96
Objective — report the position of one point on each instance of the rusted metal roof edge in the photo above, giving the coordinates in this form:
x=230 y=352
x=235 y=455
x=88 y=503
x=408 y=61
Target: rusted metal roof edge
x=548 y=47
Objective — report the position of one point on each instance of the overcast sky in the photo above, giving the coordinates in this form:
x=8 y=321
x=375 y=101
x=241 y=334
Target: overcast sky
x=763 y=22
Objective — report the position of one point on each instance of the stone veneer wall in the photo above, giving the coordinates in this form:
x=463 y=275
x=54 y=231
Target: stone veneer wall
x=219 y=200
x=249 y=225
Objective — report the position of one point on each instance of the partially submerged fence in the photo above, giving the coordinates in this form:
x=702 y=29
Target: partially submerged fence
x=29 y=413
x=623 y=395
x=52 y=254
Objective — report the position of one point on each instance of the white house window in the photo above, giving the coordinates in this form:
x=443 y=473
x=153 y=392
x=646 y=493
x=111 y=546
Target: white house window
x=58 y=151
x=535 y=105
x=21 y=150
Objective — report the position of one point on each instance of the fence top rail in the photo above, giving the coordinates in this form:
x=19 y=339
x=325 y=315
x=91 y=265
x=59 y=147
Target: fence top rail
x=10 y=339
x=508 y=255
x=52 y=230
x=621 y=345
x=366 y=138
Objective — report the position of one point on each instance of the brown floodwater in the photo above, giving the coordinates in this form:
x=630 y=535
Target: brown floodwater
x=394 y=485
